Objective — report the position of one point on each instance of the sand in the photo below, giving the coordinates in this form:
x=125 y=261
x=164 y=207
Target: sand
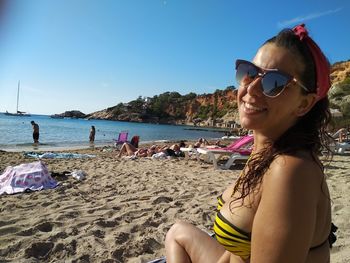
x=123 y=209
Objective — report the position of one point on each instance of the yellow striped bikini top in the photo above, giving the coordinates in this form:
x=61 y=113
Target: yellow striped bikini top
x=231 y=237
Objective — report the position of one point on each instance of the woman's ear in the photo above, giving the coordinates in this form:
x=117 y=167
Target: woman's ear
x=306 y=104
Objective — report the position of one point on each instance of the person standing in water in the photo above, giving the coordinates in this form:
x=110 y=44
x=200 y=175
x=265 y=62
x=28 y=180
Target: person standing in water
x=35 y=131
x=92 y=134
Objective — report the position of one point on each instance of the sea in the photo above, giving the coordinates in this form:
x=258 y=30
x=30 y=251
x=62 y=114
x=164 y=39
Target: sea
x=69 y=133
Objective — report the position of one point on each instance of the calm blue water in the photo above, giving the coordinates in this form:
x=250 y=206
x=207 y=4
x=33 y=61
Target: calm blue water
x=16 y=132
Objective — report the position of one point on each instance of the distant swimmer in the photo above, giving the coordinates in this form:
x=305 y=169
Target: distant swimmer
x=35 y=132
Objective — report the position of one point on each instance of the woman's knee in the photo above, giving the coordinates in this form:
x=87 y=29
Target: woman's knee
x=179 y=232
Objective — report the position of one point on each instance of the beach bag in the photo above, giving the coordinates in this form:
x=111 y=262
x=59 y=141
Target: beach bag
x=135 y=141
x=26 y=177
x=159 y=156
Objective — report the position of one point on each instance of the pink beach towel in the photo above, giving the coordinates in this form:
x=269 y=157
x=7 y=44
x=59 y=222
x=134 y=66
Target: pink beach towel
x=29 y=176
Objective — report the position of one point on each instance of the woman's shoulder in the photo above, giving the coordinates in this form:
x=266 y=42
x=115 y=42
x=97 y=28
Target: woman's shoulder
x=300 y=170
x=300 y=162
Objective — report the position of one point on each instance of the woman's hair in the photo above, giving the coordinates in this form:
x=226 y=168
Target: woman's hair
x=307 y=134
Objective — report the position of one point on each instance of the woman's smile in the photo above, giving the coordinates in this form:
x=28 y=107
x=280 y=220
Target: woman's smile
x=250 y=108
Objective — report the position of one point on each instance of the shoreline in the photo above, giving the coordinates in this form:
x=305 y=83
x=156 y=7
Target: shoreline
x=86 y=146
x=44 y=147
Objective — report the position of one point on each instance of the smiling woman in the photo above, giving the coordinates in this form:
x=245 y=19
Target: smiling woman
x=279 y=209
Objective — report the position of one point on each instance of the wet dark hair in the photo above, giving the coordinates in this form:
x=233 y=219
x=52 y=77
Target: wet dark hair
x=307 y=134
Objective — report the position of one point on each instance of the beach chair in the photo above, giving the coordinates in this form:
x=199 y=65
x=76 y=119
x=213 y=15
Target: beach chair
x=341 y=147
x=239 y=150
x=122 y=137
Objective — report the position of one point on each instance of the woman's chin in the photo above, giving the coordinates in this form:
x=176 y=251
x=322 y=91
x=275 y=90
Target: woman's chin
x=249 y=123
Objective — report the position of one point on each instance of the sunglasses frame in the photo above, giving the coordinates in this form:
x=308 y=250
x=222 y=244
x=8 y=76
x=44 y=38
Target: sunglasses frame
x=262 y=72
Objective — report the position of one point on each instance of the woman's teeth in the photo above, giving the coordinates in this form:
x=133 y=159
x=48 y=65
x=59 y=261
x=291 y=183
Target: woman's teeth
x=252 y=108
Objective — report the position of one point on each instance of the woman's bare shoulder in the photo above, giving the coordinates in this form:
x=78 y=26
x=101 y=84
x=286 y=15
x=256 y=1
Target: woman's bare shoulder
x=298 y=171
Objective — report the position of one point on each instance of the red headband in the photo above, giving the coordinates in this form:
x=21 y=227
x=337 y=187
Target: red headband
x=322 y=66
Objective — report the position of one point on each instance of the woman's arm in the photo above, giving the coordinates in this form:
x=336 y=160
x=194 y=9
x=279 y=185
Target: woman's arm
x=284 y=223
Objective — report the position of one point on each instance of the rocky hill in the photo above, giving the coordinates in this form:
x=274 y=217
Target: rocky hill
x=339 y=94
x=340 y=71
x=216 y=109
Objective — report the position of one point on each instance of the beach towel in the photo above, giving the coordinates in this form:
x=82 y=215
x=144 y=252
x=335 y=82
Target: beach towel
x=158 y=260
x=51 y=155
x=26 y=177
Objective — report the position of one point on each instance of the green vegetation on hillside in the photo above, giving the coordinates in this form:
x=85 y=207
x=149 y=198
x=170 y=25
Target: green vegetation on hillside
x=158 y=105
x=339 y=97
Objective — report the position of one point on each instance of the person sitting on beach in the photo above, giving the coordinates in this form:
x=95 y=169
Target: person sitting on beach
x=279 y=208
x=129 y=148
x=167 y=152
x=182 y=144
x=173 y=151
x=144 y=152
x=342 y=135
x=202 y=142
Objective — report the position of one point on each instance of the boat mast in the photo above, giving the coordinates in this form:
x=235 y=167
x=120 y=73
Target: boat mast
x=17 y=96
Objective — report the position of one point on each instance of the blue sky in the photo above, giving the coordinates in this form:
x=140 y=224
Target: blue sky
x=88 y=55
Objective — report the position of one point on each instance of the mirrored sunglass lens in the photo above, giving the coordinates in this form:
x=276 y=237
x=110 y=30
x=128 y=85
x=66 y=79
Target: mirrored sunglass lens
x=245 y=73
x=273 y=83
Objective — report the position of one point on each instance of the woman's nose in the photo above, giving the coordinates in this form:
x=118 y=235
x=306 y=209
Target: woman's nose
x=255 y=88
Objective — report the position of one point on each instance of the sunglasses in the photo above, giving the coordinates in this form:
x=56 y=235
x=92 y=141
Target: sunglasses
x=273 y=81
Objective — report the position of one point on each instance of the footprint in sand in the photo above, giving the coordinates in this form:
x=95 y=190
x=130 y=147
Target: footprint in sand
x=45 y=227
x=178 y=203
x=5 y=223
x=116 y=208
x=58 y=236
x=336 y=208
x=151 y=223
x=27 y=232
x=122 y=238
x=69 y=214
x=118 y=254
x=162 y=199
x=8 y=230
x=106 y=223
x=38 y=250
x=135 y=229
x=98 y=233
x=150 y=245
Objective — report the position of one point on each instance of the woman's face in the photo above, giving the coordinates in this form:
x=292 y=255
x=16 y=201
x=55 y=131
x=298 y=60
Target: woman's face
x=271 y=116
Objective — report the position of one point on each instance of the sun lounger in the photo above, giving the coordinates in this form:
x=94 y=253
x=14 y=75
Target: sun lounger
x=239 y=150
x=341 y=147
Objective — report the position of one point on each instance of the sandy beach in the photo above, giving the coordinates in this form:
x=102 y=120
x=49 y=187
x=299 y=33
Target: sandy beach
x=123 y=209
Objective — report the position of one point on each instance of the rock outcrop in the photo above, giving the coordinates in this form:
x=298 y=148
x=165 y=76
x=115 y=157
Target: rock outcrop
x=340 y=71
x=69 y=114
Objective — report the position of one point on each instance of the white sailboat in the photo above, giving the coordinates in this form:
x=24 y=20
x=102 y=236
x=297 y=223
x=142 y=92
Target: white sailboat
x=18 y=112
